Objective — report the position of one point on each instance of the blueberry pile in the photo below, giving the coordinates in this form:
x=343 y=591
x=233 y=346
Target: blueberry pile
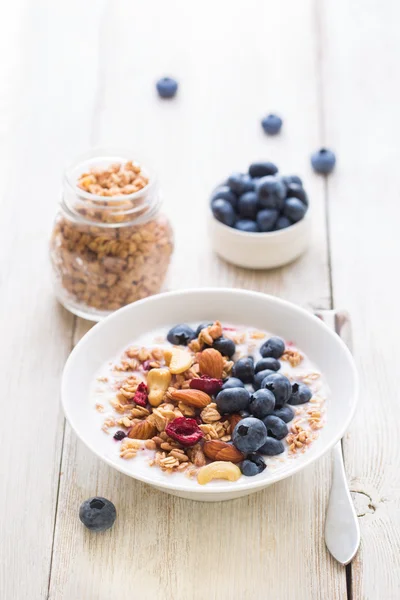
x=260 y=200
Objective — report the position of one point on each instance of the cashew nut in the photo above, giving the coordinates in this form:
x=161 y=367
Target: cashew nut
x=158 y=381
x=218 y=470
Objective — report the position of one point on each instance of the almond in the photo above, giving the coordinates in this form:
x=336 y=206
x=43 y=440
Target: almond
x=234 y=420
x=195 y=398
x=143 y=430
x=211 y=363
x=217 y=450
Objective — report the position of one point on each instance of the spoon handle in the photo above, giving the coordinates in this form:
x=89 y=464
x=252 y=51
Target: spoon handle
x=342 y=531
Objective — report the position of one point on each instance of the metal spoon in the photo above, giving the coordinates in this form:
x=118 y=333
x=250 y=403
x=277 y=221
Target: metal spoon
x=342 y=531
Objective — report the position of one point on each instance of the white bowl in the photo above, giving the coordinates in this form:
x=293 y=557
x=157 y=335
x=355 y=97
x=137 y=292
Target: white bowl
x=259 y=250
x=120 y=329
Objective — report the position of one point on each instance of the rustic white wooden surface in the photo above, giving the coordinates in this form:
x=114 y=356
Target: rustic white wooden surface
x=74 y=75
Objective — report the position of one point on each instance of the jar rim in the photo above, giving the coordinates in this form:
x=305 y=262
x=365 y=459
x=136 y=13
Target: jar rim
x=109 y=156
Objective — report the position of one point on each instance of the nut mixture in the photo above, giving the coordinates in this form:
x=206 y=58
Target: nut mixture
x=102 y=260
x=164 y=402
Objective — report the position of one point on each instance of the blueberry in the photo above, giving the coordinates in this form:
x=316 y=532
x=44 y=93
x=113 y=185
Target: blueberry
x=294 y=209
x=252 y=465
x=249 y=435
x=294 y=190
x=288 y=179
x=274 y=347
x=240 y=183
x=97 y=514
x=223 y=212
x=323 y=161
x=200 y=327
x=266 y=219
x=261 y=169
x=300 y=394
x=286 y=413
x=247 y=205
x=272 y=447
x=276 y=427
x=244 y=369
x=244 y=414
x=267 y=363
x=225 y=346
x=181 y=335
x=280 y=386
x=282 y=223
x=271 y=192
x=232 y=382
x=260 y=376
x=167 y=87
x=223 y=192
x=231 y=400
x=262 y=403
x=119 y=435
x=272 y=124
x=247 y=225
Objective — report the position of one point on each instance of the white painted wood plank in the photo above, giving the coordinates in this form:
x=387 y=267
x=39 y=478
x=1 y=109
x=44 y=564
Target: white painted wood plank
x=46 y=105
x=362 y=96
x=233 y=66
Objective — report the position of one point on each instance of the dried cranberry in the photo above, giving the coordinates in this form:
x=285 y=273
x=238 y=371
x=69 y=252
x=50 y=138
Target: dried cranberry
x=229 y=328
x=206 y=384
x=185 y=431
x=119 y=435
x=146 y=365
x=140 y=396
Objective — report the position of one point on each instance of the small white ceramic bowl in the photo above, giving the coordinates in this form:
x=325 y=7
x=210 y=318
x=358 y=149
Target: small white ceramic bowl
x=259 y=250
x=102 y=343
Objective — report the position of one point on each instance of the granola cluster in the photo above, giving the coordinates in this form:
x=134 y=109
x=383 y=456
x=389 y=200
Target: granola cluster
x=101 y=260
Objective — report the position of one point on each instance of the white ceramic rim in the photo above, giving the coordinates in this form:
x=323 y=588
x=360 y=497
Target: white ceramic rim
x=231 y=486
x=262 y=235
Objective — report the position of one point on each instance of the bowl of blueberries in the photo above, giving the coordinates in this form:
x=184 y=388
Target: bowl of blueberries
x=259 y=219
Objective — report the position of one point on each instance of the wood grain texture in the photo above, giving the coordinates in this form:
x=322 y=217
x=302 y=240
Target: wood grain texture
x=41 y=122
x=360 y=84
x=232 y=68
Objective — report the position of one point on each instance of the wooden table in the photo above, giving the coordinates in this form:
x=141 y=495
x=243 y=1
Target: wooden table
x=78 y=74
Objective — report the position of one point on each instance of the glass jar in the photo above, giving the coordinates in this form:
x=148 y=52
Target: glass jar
x=110 y=244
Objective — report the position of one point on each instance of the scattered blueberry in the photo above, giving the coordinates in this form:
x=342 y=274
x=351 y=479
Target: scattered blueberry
x=200 y=327
x=288 y=179
x=274 y=347
x=286 y=413
x=223 y=212
x=119 y=435
x=276 y=427
x=181 y=335
x=231 y=400
x=280 y=386
x=232 y=382
x=272 y=124
x=249 y=435
x=97 y=514
x=246 y=225
x=253 y=465
x=282 y=223
x=294 y=209
x=271 y=192
x=223 y=192
x=167 y=87
x=323 y=161
x=240 y=183
x=271 y=447
x=243 y=369
x=247 y=205
x=300 y=394
x=260 y=376
x=294 y=190
x=261 y=169
x=262 y=403
x=266 y=219
x=225 y=346
x=267 y=363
